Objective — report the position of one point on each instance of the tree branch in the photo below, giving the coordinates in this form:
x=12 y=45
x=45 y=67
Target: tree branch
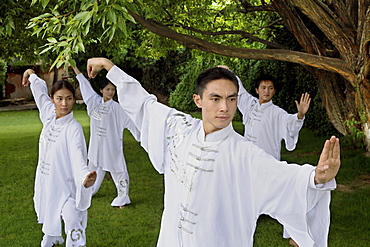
x=321 y=62
x=244 y=34
x=239 y=32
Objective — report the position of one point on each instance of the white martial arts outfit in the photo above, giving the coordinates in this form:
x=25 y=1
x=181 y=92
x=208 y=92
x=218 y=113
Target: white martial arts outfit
x=266 y=125
x=105 y=153
x=61 y=170
x=217 y=185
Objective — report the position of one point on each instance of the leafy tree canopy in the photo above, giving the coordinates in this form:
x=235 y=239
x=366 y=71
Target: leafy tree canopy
x=70 y=26
x=17 y=43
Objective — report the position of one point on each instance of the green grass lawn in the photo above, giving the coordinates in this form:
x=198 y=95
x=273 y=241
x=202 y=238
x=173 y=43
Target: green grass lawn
x=138 y=224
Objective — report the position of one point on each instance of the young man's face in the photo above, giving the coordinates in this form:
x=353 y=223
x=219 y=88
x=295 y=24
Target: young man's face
x=265 y=91
x=219 y=103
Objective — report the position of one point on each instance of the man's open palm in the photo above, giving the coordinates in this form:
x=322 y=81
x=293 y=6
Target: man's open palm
x=303 y=105
x=329 y=161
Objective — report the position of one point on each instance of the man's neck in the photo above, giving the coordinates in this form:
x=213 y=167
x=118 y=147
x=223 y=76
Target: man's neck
x=263 y=102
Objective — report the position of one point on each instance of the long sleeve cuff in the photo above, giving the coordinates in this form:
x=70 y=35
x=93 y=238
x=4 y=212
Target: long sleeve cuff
x=300 y=120
x=331 y=185
x=112 y=75
x=83 y=196
x=33 y=78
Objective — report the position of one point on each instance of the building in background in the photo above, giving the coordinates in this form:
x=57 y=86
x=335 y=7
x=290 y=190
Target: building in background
x=14 y=93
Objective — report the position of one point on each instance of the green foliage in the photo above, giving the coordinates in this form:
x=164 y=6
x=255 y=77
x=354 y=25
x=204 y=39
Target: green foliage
x=17 y=45
x=220 y=16
x=160 y=76
x=3 y=69
x=182 y=97
x=9 y=12
x=69 y=26
x=355 y=137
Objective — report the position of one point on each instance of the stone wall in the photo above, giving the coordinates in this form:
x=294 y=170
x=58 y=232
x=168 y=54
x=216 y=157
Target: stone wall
x=15 y=90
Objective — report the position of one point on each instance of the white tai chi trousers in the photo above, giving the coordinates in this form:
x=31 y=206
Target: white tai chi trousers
x=75 y=222
x=121 y=180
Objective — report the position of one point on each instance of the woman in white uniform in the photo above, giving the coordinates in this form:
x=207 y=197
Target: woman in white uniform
x=63 y=181
x=107 y=123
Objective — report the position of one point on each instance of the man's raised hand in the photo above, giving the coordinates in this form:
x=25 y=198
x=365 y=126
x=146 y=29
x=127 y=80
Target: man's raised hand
x=303 y=105
x=329 y=161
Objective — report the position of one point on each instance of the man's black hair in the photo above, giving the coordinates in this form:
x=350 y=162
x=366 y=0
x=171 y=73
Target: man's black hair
x=265 y=78
x=212 y=74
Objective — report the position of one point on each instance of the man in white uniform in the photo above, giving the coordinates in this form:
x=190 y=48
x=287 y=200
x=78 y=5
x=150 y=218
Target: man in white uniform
x=266 y=124
x=214 y=188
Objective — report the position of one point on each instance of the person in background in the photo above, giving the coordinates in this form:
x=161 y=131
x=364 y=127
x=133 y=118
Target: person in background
x=63 y=181
x=107 y=123
x=266 y=124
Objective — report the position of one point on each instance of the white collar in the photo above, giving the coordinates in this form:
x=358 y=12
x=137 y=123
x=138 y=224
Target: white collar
x=214 y=137
x=265 y=105
x=63 y=120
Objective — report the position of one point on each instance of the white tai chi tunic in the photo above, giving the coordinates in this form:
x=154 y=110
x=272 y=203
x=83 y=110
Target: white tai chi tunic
x=214 y=191
x=266 y=125
x=107 y=122
x=62 y=163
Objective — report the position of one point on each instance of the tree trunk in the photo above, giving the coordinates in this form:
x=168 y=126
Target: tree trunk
x=337 y=104
x=347 y=106
x=364 y=108
x=346 y=98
